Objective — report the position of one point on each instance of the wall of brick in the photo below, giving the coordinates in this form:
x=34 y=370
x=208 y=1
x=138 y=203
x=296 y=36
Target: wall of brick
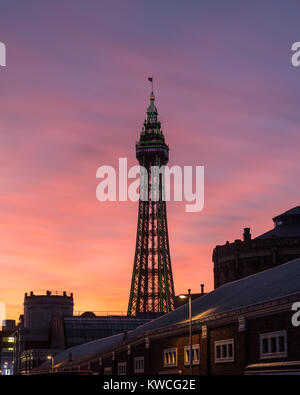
x=246 y=347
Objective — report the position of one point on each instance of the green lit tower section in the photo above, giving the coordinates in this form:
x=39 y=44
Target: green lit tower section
x=152 y=287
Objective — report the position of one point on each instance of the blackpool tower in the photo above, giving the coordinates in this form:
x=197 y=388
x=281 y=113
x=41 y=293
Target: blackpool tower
x=152 y=287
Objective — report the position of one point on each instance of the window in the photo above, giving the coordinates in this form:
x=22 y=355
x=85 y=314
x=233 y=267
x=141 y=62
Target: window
x=273 y=345
x=139 y=365
x=107 y=371
x=170 y=357
x=224 y=351
x=8 y=339
x=196 y=354
x=121 y=368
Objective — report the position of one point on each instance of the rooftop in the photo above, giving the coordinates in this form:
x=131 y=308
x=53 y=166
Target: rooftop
x=292 y=211
x=48 y=293
x=275 y=283
x=286 y=224
x=82 y=329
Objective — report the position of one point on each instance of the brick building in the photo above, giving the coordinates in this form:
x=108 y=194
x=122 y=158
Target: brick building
x=242 y=258
x=242 y=327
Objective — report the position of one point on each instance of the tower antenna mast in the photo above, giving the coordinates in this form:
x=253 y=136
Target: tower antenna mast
x=151 y=80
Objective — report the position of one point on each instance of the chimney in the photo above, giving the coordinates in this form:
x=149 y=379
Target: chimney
x=202 y=288
x=247 y=234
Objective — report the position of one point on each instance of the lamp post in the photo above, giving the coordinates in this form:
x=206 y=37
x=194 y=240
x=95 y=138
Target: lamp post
x=189 y=296
x=51 y=357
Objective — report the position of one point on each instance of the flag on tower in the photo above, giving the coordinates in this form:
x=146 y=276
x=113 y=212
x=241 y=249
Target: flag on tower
x=151 y=80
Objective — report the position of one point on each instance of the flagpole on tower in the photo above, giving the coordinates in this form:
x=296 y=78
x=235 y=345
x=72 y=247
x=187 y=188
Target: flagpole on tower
x=151 y=80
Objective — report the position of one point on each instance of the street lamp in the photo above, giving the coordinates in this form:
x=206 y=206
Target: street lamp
x=5 y=368
x=52 y=358
x=190 y=327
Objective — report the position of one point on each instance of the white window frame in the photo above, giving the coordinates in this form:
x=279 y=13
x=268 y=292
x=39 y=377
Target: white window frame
x=122 y=368
x=186 y=354
x=226 y=343
x=169 y=357
x=107 y=371
x=269 y=336
x=139 y=361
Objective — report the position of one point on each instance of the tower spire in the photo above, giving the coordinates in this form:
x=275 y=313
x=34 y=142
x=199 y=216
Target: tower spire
x=151 y=80
x=152 y=112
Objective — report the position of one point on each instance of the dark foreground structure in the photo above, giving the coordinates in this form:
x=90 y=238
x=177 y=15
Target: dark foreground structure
x=49 y=326
x=242 y=327
x=7 y=342
x=233 y=261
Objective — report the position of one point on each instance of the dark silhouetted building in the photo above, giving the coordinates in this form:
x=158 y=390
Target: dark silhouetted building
x=49 y=326
x=7 y=342
x=242 y=258
x=32 y=334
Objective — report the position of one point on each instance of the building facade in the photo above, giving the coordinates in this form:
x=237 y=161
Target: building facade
x=260 y=340
x=244 y=327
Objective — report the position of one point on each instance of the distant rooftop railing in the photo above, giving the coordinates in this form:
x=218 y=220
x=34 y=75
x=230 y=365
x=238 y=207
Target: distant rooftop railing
x=100 y=313
x=47 y=292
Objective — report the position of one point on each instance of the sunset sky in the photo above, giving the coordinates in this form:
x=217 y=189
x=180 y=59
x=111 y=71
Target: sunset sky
x=73 y=97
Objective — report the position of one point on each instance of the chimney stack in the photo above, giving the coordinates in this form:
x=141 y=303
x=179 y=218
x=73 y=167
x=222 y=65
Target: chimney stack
x=202 y=288
x=247 y=234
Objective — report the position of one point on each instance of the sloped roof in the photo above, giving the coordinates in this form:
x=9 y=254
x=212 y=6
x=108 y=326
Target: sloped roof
x=292 y=211
x=289 y=225
x=265 y=286
x=84 y=329
x=288 y=230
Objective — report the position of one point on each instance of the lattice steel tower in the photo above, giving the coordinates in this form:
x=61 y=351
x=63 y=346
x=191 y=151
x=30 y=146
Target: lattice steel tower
x=152 y=287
